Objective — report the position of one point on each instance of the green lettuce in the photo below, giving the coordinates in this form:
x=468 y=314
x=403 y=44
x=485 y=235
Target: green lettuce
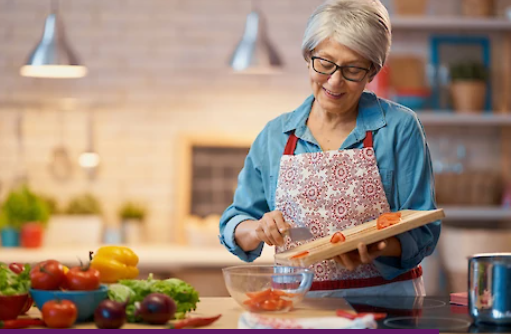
x=184 y=295
x=14 y=284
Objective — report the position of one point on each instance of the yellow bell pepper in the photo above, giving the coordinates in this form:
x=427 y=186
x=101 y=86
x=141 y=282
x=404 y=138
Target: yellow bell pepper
x=115 y=263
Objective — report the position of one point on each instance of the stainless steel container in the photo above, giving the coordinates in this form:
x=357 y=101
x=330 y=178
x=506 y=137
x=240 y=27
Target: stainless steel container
x=489 y=288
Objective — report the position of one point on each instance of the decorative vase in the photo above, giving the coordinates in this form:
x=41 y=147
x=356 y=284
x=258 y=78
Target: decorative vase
x=31 y=235
x=131 y=231
x=468 y=96
x=477 y=8
x=410 y=8
x=10 y=237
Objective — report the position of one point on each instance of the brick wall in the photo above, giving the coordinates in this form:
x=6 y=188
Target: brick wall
x=157 y=70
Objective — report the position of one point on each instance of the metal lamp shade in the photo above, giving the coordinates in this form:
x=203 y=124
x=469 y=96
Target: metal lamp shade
x=254 y=53
x=53 y=57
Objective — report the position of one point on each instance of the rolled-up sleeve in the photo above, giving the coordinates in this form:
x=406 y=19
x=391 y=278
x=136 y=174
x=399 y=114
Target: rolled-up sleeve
x=249 y=202
x=415 y=190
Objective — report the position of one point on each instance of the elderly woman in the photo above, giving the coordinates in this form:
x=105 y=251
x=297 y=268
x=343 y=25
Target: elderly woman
x=342 y=158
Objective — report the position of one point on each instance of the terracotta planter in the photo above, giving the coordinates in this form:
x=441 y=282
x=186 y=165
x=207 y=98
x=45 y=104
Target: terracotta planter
x=468 y=96
x=477 y=8
x=31 y=235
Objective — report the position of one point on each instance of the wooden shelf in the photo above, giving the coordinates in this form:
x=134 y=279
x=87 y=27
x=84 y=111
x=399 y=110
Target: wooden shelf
x=451 y=23
x=473 y=213
x=434 y=117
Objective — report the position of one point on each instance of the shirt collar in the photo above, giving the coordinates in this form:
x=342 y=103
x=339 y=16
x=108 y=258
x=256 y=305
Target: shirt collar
x=370 y=115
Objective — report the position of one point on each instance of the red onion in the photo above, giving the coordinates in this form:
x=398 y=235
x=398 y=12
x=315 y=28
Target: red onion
x=157 y=308
x=110 y=314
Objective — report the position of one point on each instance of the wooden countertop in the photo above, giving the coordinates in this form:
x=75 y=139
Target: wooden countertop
x=231 y=311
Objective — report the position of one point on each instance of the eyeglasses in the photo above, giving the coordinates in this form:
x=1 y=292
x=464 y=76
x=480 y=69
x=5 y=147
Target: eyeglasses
x=349 y=72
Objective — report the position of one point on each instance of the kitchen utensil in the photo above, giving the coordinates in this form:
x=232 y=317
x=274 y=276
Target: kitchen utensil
x=299 y=234
x=489 y=288
x=61 y=166
x=89 y=160
x=11 y=306
x=323 y=249
x=21 y=176
x=267 y=288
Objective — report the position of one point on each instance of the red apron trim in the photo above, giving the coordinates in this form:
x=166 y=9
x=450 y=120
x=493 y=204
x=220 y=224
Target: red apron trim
x=364 y=282
x=291 y=145
x=367 y=142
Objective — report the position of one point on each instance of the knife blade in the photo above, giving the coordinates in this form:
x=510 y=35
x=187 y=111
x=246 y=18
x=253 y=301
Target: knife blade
x=299 y=234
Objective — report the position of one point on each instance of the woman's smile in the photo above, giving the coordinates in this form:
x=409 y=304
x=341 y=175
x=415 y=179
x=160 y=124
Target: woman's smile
x=332 y=95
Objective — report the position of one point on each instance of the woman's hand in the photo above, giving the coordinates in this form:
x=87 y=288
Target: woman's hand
x=366 y=254
x=271 y=227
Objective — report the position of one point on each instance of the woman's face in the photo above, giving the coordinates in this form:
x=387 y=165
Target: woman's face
x=332 y=92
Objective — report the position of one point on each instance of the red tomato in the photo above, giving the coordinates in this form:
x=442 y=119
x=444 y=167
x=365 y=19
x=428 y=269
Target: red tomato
x=83 y=278
x=47 y=275
x=59 y=313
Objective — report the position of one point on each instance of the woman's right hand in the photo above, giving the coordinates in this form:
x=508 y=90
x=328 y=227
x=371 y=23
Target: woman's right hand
x=271 y=227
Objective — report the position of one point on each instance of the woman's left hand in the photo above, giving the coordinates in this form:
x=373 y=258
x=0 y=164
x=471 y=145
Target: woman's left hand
x=364 y=254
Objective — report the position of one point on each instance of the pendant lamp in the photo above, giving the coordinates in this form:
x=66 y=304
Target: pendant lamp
x=255 y=54
x=53 y=57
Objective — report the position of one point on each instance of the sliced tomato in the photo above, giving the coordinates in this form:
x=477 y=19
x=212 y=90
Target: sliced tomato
x=259 y=296
x=337 y=237
x=352 y=315
x=388 y=219
x=300 y=255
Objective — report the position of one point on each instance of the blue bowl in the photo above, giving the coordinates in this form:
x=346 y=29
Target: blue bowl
x=85 y=301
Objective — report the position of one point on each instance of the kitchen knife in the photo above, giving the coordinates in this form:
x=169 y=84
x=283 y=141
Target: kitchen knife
x=299 y=234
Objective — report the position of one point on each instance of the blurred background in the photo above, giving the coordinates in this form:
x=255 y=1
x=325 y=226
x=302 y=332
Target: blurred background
x=143 y=144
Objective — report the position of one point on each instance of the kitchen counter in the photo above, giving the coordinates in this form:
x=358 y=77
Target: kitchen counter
x=395 y=307
x=152 y=258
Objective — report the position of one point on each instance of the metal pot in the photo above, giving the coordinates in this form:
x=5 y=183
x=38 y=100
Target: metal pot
x=489 y=284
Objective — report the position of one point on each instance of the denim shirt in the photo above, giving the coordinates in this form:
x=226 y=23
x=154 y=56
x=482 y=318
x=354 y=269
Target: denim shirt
x=403 y=160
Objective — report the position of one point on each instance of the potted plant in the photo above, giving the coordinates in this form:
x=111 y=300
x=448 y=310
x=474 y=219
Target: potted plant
x=23 y=218
x=468 y=86
x=132 y=217
x=80 y=221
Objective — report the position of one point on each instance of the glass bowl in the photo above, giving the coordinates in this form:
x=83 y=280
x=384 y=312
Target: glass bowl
x=267 y=288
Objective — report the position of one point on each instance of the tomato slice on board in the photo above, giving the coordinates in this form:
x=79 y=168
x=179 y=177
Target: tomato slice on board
x=388 y=219
x=300 y=255
x=337 y=237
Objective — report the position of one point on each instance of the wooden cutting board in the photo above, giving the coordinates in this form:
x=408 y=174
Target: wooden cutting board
x=322 y=249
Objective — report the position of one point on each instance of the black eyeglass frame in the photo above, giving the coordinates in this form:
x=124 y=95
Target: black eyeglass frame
x=341 y=68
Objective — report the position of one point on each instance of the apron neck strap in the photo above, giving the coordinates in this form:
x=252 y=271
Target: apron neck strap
x=291 y=145
x=367 y=142
x=292 y=142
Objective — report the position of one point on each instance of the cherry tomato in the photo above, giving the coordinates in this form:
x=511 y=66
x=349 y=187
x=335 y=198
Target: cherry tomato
x=47 y=275
x=59 y=313
x=16 y=267
x=83 y=278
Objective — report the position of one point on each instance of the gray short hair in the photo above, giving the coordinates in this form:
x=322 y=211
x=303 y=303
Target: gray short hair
x=361 y=25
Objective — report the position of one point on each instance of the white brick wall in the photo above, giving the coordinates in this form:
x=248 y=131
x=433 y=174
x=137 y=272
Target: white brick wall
x=157 y=69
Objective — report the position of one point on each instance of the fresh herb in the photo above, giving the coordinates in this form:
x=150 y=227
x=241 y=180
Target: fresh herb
x=14 y=284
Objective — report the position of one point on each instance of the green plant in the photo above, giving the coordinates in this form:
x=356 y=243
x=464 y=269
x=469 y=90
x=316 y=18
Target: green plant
x=85 y=204
x=51 y=202
x=23 y=206
x=131 y=210
x=468 y=71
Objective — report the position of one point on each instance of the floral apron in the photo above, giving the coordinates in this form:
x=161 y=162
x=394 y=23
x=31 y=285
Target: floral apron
x=332 y=191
